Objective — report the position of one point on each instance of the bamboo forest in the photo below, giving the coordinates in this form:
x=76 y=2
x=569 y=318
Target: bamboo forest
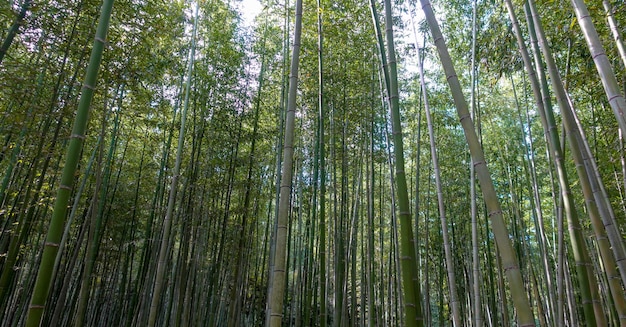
x=332 y=163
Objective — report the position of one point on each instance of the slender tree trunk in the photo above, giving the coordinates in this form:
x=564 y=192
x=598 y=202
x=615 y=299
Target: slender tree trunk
x=477 y=311
x=322 y=168
x=510 y=262
x=577 y=151
x=96 y=232
x=55 y=232
x=617 y=36
x=454 y=298
x=535 y=202
x=15 y=28
x=277 y=288
x=167 y=221
x=410 y=282
x=607 y=76
x=371 y=297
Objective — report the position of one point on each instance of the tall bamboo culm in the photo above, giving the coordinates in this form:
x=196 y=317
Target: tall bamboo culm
x=408 y=263
x=603 y=65
x=55 y=231
x=277 y=288
x=454 y=298
x=617 y=36
x=322 y=168
x=596 y=200
x=578 y=246
x=171 y=202
x=509 y=259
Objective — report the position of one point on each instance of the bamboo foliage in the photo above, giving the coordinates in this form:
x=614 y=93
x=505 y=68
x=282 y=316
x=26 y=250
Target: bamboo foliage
x=198 y=233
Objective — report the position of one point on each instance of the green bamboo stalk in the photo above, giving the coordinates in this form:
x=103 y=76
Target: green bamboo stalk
x=509 y=259
x=454 y=298
x=277 y=288
x=8 y=266
x=579 y=249
x=476 y=309
x=416 y=196
x=603 y=65
x=371 y=297
x=55 y=231
x=279 y=150
x=535 y=203
x=15 y=28
x=322 y=167
x=235 y=296
x=617 y=36
x=96 y=233
x=551 y=150
x=410 y=282
x=596 y=204
x=167 y=221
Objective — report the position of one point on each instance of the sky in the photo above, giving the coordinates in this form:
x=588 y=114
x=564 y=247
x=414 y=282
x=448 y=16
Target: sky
x=249 y=10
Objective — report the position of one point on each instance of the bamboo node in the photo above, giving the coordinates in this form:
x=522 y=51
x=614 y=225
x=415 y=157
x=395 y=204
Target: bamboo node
x=77 y=136
x=510 y=268
x=450 y=76
x=56 y=245
x=101 y=40
x=497 y=212
x=479 y=163
x=65 y=187
x=36 y=306
x=464 y=117
x=87 y=86
x=599 y=55
x=614 y=97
